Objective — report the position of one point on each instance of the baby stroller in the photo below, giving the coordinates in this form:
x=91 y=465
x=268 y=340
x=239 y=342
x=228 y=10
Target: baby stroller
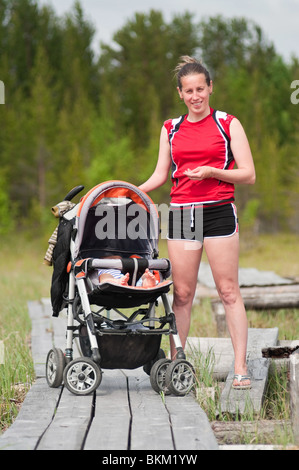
x=114 y=226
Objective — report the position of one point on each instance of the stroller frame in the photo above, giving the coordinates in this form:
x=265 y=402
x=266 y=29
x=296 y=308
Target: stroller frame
x=106 y=342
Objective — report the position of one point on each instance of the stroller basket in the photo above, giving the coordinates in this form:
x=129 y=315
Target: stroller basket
x=123 y=350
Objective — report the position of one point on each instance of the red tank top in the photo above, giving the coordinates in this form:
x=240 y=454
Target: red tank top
x=203 y=143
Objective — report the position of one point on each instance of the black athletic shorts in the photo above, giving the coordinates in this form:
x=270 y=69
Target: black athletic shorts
x=197 y=222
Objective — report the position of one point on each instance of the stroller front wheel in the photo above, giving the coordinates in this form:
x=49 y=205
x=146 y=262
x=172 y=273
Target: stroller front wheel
x=180 y=377
x=82 y=376
x=55 y=365
x=157 y=375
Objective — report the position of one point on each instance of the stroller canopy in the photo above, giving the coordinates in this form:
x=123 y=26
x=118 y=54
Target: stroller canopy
x=116 y=218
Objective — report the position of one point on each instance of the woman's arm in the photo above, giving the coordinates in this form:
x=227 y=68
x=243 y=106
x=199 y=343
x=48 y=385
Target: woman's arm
x=244 y=173
x=160 y=174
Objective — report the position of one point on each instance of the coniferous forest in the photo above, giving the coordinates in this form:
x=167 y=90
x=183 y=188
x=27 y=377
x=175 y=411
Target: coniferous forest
x=71 y=117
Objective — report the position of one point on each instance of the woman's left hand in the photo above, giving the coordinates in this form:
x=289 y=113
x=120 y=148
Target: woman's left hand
x=199 y=173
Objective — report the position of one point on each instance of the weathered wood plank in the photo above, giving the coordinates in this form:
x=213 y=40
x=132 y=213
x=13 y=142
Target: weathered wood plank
x=190 y=426
x=110 y=426
x=232 y=432
x=41 y=336
x=57 y=328
x=218 y=353
x=33 y=419
x=68 y=429
x=248 y=277
x=279 y=352
x=255 y=298
x=294 y=394
x=40 y=403
x=151 y=428
x=271 y=301
x=240 y=401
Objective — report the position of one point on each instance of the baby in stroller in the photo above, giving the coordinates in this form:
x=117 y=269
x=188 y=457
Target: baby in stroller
x=147 y=280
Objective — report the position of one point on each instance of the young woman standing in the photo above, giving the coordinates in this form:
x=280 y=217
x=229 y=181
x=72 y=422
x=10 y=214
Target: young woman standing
x=208 y=153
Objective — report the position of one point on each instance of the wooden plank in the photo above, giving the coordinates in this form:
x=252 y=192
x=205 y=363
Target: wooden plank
x=239 y=401
x=40 y=403
x=248 y=277
x=151 y=428
x=258 y=298
x=232 y=432
x=270 y=301
x=294 y=394
x=271 y=297
x=190 y=426
x=68 y=429
x=41 y=336
x=111 y=423
x=74 y=413
x=218 y=353
x=279 y=352
x=33 y=419
x=58 y=328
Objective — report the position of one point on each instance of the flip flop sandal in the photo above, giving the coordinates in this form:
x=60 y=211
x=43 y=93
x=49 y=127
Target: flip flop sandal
x=241 y=378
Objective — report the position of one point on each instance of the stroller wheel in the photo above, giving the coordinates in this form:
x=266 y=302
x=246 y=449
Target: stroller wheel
x=157 y=375
x=82 y=376
x=55 y=365
x=148 y=367
x=180 y=377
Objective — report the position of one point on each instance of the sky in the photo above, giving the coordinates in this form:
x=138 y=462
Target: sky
x=279 y=19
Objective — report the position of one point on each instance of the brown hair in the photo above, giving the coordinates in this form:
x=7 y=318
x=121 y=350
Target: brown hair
x=189 y=66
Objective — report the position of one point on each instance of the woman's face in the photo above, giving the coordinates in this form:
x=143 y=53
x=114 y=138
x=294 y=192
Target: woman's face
x=196 y=93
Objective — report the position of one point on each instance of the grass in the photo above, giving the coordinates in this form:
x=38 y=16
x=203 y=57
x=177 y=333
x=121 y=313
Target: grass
x=24 y=278
x=269 y=427
x=251 y=428
x=278 y=253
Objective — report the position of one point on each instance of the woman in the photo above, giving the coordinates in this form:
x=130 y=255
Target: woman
x=209 y=153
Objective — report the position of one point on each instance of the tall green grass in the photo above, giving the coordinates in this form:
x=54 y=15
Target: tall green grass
x=23 y=278
x=275 y=408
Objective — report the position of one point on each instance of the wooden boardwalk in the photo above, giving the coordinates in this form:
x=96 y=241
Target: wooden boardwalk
x=123 y=414
x=239 y=402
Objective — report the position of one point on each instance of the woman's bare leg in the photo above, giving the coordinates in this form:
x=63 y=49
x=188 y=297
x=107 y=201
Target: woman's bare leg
x=223 y=256
x=185 y=260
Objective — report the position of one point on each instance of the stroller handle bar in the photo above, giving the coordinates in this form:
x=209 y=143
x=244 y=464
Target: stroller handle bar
x=73 y=192
x=162 y=264
x=132 y=264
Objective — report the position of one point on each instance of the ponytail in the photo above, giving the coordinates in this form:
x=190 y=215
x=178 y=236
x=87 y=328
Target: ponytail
x=189 y=66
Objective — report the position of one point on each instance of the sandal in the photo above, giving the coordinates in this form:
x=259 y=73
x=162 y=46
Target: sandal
x=241 y=378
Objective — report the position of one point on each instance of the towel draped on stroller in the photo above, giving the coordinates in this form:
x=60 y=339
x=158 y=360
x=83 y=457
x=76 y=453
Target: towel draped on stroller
x=114 y=226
